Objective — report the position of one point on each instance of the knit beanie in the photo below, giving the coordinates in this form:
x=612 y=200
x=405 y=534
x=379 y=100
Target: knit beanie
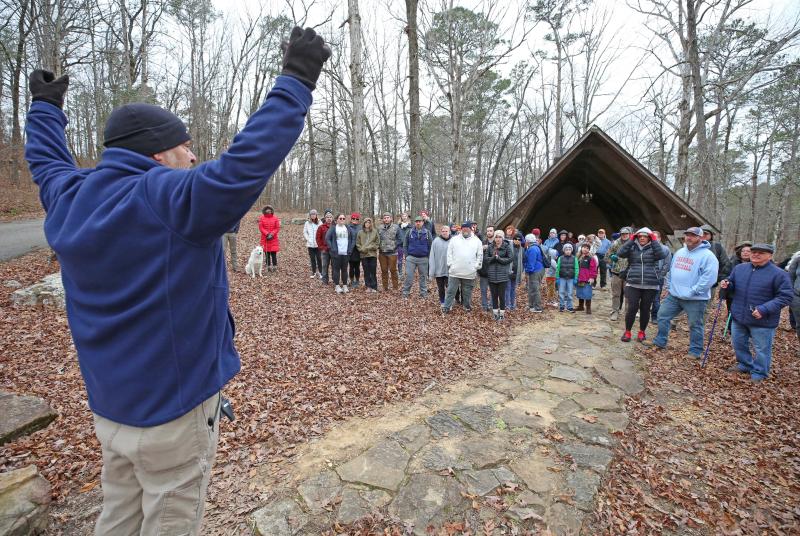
x=567 y=247
x=536 y=232
x=530 y=239
x=145 y=129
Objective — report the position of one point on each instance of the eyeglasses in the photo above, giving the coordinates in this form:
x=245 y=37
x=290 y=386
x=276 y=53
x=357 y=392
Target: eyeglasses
x=340 y=218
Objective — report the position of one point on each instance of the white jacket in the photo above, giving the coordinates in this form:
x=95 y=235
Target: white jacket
x=464 y=256
x=310 y=233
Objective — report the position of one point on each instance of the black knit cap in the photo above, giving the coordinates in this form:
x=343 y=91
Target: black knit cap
x=145 y=129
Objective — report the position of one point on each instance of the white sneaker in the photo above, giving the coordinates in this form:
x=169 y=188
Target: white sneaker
x=338 y=289
x=344 y=289
x=313 y=276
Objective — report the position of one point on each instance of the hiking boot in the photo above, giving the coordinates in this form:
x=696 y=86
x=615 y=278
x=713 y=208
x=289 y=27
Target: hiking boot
x=626 y=337
x=580 y=305
x=614 y=315
x=588 y=307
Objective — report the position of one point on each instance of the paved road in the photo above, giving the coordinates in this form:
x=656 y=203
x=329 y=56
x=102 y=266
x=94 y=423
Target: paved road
x=20 y=237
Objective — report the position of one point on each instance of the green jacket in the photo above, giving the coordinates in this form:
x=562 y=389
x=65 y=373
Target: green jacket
x=368 y=242
x=616 y=266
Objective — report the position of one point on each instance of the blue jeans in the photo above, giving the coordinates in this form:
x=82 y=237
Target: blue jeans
x=511 y=293
x=484 y=292
x=565 y=291
x=670 y=308
x=656 y=305
x=741 y=335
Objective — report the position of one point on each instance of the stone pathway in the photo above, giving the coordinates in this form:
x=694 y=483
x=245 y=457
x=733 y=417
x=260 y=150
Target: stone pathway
x=543 y=420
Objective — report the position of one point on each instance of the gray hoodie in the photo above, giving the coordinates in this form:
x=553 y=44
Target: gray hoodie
x=437 y=260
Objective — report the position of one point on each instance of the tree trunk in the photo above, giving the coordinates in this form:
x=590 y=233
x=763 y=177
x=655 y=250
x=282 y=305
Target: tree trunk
x=415 y=153
x=357 y=81
x=704 y=193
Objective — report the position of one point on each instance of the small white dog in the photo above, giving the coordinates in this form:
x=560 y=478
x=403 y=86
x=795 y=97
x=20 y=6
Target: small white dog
x=255 y=262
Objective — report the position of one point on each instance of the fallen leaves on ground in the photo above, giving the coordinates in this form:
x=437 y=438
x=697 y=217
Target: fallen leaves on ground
x=310 y=358
x=706 y=451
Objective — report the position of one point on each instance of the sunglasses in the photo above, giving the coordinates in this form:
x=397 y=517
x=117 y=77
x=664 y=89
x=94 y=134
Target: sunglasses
x=355 y=219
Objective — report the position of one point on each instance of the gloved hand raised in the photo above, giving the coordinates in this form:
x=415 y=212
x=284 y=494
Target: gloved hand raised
x=45 y=87
x=304 y=55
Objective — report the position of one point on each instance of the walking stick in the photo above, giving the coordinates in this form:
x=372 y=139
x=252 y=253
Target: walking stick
x=711 y=335
x=727 y=325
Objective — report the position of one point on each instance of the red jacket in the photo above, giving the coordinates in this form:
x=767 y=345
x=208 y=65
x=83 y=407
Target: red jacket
x=321 y=231
x=269 y=223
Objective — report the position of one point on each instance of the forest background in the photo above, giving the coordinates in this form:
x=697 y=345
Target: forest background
x=453 y=107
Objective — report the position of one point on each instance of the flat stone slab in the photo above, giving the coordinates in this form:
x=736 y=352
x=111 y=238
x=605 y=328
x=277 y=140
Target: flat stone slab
x=590 y=456
x=563 y=388
x=320 y=491
x=565 y=409
x=480 y=418
x=443 y=425
x=597 y=401
x=533 y=363
x=425 y=499
x=439 y=456
x=564 y=520
x=559 y=357
x=22 y=415
x=616 y=422
x=359 y=503
x=412 y=438
x=570 y=374
x=596 y=434
x=619 y=363
x=382 y=466
x=24 y=502
x=584 y=484
x=480 y=482
x=283 y=517
x=484 y=452
x=534 y=472
x=628 y=381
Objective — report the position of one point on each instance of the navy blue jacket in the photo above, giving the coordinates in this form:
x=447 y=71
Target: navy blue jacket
x=330 y=239
x=767 y=288
x=643 y=266
x=141 y=257
x=418 y=243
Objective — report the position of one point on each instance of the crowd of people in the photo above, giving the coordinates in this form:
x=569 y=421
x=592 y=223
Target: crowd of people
x=648 y=281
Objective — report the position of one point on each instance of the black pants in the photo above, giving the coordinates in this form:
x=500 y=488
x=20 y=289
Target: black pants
x=315 y=258
x=441 y=286
x=370 y=265
x=355 y=269
x=601 y=267
x=638 y=300
x=272 y=258
x=339 y=263
x=498 y=292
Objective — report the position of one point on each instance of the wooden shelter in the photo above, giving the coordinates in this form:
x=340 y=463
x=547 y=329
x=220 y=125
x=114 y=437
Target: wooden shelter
x=597 y=183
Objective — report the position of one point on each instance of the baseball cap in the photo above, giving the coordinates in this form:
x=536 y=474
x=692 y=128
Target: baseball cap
x=762 y=247
x=694 y=230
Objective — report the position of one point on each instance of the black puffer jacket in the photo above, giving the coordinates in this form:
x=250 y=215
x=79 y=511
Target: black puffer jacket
x=642 y=263
x=497 y=267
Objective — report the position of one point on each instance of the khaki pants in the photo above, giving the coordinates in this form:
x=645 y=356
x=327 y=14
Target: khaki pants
x=617 y=288
x=388 y=265
x=229 y=242
x=155 y=479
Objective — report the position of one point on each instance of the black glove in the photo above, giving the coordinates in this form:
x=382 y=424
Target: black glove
x=304 y=55
x=45 y=87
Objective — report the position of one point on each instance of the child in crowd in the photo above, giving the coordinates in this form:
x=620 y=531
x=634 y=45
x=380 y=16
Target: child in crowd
x=587 y=273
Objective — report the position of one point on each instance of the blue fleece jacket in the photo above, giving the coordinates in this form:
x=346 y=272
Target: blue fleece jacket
x=418 y=243
x=534 y=262
x=142 y=261
x=766 y=288
x=692 y=273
